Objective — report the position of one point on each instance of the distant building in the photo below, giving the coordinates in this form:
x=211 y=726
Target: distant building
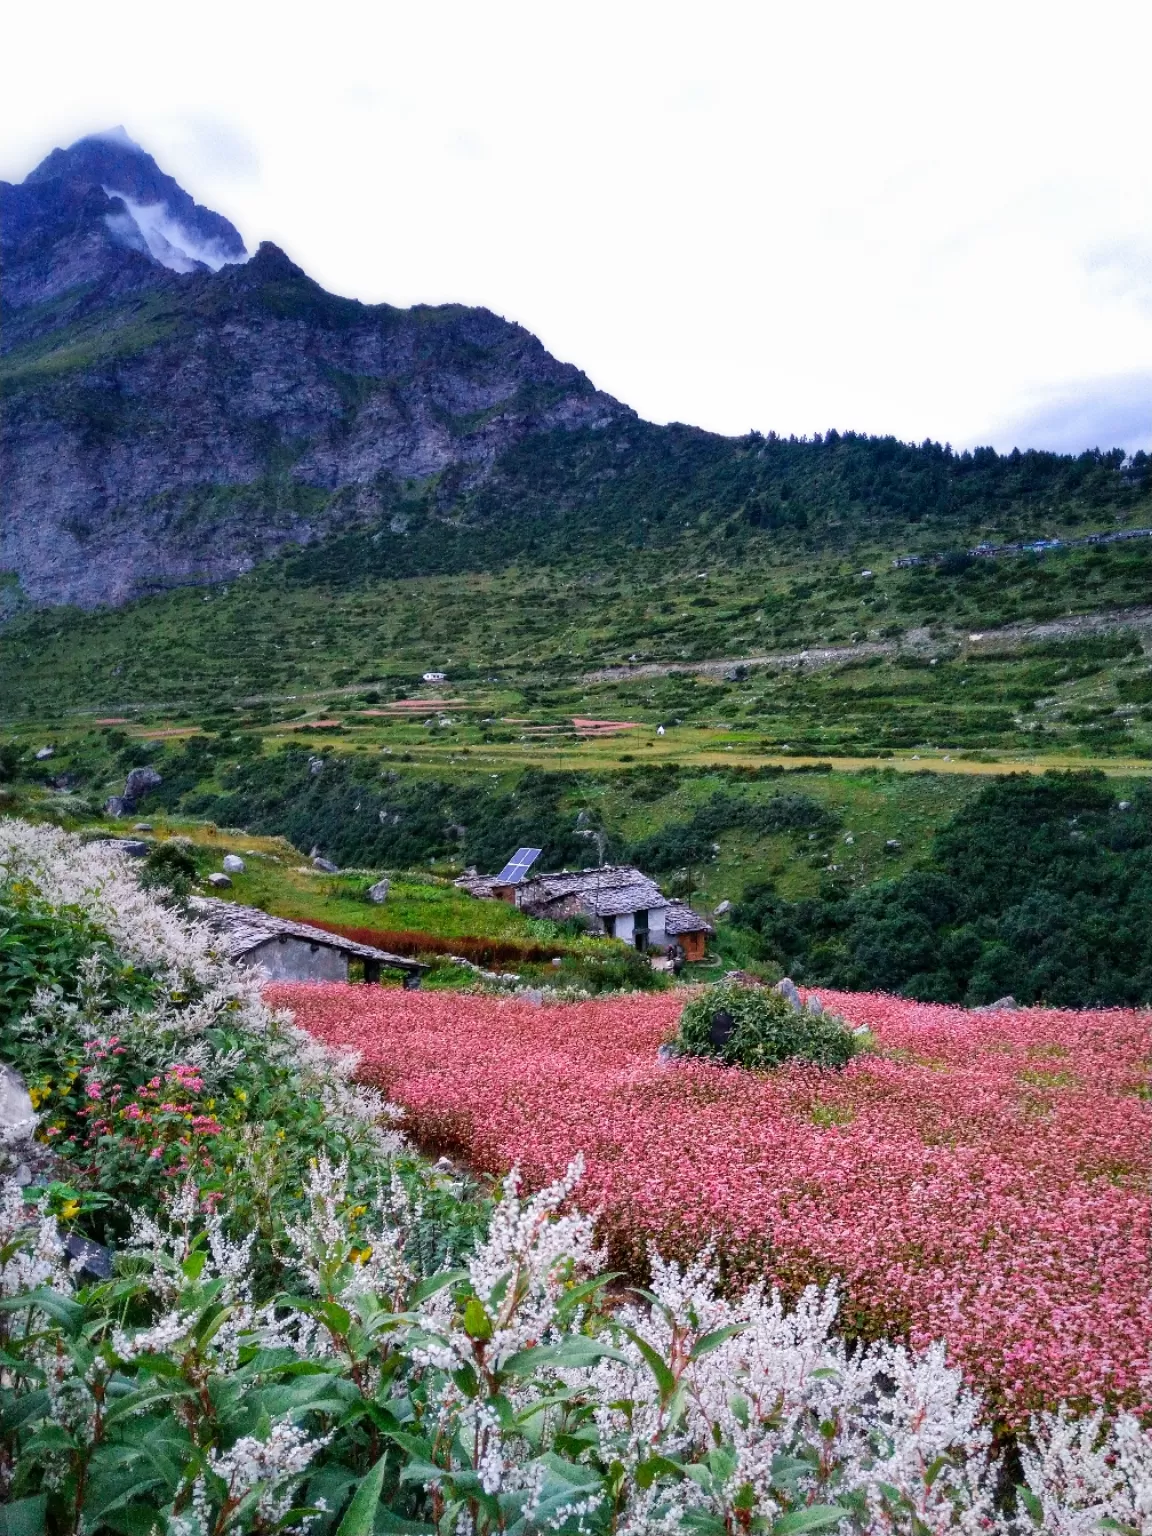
x=288 y=951
x=617 y=900
x=435 y=677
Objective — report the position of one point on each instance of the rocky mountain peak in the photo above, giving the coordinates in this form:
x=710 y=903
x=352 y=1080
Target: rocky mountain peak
x=102 y=211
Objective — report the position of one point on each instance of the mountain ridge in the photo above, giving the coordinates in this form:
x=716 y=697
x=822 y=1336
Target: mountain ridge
x=171 y=421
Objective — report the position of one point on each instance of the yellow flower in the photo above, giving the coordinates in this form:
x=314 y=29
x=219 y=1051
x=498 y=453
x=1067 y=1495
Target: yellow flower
x=69 y=1210
x=360 y=1255
x=241 y=1095
x=357 y=1210
x=38 y=1093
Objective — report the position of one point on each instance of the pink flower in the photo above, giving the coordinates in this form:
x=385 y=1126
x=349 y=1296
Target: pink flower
x=982 y=1178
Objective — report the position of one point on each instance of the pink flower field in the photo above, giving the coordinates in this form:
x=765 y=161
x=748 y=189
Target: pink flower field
x=981 y=1178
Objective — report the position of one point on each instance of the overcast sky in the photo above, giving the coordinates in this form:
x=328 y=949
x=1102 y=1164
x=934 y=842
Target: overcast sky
x=931 y=219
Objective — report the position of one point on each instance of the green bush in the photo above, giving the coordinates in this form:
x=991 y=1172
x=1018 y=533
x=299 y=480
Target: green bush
x=766 y=1030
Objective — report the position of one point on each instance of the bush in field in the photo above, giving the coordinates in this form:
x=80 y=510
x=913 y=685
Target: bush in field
x=754 y=1027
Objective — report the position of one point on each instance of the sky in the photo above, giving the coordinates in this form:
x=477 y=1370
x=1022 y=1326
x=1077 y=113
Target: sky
x=932 y=220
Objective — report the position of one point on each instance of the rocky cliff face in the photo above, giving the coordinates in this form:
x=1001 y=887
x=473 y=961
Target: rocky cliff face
x=174 y=412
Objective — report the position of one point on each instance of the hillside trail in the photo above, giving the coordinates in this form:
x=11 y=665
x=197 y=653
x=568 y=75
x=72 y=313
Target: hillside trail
x=917 y=642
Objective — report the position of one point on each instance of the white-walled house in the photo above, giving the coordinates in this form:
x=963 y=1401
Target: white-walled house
x=618 y=900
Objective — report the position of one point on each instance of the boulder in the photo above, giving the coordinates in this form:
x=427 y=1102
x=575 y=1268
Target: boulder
x=315 y=765
x=814 y=1005
x=45 y=752
x=325 y=865
x=725 y=906
x=219 y=882
x=233 y=864
x=136 y=786
x=142 y=826
x=17 y=1117
x=379 y=892
x=787 y=989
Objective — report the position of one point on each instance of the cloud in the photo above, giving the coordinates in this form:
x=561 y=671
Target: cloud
x=1095 y=413
x=1123 y=270
x=170 y=242
x=217 y=149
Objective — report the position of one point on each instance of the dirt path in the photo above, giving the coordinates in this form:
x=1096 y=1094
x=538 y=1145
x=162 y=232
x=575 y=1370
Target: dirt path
x=915 y=641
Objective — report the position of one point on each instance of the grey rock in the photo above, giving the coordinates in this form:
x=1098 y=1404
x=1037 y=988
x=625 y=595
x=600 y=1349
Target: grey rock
x=17 y=1117
x=251 y=360
x=134 y=847
x=233 y=864
x=315 y=765
x=1124 y=805
x=787 y=988
x=219 y=882
x=142 y=826
x=534 y=996
x=379 y=892
x=893 y=844
x=667 y=1055
x=45 y=752
x=725 y=906
x=93 y=1259
x=136 y=786
x=326 y=865
x=814 y=1005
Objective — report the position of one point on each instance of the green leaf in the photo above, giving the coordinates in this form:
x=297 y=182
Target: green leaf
x=61 y=1309
x=657 y=1466
x=713 y=1340
x=573 y=1354
x=816 y=1517
x=477 y=1323
x=435 y=1283
x=360 y=1516
x=25 y=1517
x=1030 y=1502
x=664 y=1377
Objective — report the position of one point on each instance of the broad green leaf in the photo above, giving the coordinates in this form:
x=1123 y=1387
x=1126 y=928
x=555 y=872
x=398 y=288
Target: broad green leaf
x=659 y=1368
x=816 y=1517
x=25 y=1517
x=435 y=1283
x=360 y=1516
x=573 y=1354
x=713 y=1340
x=477 y=1323
x=61 y=1309
x=657 y=1466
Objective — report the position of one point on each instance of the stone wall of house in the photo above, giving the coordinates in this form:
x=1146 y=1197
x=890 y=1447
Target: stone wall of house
x=292 y=959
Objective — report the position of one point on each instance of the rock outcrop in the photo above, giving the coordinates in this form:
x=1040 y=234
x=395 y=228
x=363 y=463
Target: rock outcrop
x=174 y=413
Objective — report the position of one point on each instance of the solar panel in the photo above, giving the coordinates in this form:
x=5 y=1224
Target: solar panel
x=518 y=866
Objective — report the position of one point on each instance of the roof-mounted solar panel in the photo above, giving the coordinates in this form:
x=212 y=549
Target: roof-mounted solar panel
x=518 y=866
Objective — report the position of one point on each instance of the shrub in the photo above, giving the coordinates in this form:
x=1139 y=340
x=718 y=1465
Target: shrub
x=754 y=1027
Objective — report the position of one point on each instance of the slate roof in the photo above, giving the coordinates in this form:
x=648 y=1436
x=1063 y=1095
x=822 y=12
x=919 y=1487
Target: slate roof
x=605 y=892
x=244 y=929
x=680 y=918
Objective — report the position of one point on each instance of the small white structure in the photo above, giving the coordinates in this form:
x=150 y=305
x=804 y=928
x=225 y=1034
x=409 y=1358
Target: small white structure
x=288 y=951
x=435 y=677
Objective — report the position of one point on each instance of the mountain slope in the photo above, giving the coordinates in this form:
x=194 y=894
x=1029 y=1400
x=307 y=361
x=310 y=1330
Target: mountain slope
x=175 y=413
x=165 y=422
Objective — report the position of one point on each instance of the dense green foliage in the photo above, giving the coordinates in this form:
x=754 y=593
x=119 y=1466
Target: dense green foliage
x=358 y=813
x=760 y=1029
x=637 y=485
x=692 y=842
x=1039 y=887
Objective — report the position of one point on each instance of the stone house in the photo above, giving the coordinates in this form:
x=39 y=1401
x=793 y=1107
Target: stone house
x=617 y=900
x=289 y=951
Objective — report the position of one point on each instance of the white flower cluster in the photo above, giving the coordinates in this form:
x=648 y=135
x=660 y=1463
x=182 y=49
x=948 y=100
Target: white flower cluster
x=199 y=986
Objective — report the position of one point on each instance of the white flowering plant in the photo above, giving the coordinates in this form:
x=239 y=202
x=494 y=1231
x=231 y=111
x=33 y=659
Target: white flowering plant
x=369 y=1351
